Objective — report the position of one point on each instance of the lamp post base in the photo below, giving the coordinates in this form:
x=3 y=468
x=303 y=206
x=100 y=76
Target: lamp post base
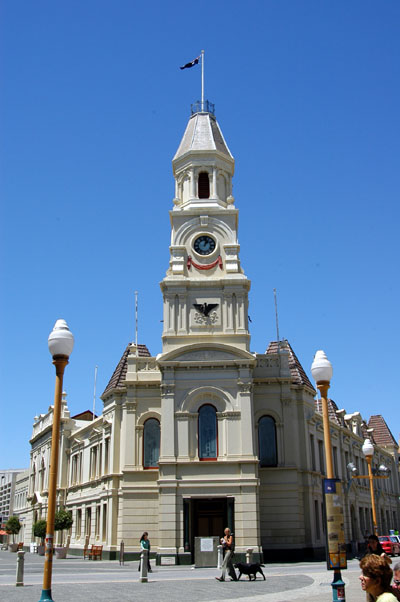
x=338 y=584
x=46 y=596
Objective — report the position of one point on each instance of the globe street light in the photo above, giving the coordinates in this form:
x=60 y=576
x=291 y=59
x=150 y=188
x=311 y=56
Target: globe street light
x=321 y=370
x=368 y=451
x=382 y=472
x=61 y=343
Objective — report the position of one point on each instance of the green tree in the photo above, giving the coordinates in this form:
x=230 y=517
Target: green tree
x=39 y=530
x=62 y=522
x=13 y=526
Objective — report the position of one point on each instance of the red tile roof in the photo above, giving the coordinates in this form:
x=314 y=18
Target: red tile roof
x=119 y=375
x=296 y=369
x=382 y=433
x=332 y=408
x=86 y=415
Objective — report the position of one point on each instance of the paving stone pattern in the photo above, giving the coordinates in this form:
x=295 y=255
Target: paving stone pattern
x=78 y=580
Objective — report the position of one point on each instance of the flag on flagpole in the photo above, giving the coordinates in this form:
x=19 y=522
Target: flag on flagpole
x=191 y=64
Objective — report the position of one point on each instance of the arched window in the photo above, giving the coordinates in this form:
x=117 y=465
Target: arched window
x=267 y=441
x=151 y=443
x=204 y=185
x=208 y=448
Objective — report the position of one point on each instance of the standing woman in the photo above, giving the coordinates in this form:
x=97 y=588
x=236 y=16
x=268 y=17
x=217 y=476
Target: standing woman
x=145 y=545
x=376 y=577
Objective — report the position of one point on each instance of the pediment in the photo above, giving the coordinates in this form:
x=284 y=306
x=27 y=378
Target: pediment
x=197 y=354
x=205 y=355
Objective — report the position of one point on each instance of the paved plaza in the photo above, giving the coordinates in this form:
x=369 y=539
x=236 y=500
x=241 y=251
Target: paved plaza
x=78 y=580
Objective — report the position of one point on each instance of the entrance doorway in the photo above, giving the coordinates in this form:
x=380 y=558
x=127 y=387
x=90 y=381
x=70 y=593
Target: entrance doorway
x=209 y=517
x=206 y=517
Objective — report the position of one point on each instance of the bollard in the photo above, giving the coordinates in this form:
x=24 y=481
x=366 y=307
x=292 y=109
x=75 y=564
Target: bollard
x=121 y=553
x=220 y=550
x=249 y=555
x=143 y=566
x=20 y=568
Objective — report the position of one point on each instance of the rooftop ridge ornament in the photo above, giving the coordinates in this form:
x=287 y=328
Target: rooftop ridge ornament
x=202 y=106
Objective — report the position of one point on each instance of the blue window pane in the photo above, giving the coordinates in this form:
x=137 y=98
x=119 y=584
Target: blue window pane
x=151 y=442
x=207 y=432
x=267 y=441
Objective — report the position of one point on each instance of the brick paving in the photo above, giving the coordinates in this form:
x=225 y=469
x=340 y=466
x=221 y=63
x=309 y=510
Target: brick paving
x=78 y=580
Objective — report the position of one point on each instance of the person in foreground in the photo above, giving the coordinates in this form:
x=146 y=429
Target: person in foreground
x=376 y=577
x=227 y=542
x=396 y=579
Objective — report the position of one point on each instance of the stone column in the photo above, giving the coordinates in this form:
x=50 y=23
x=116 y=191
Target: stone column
x=240 y=317
x=228 y=313
x=193 y=184
x=139 y=429
x=182 y=325
x=128 y=451
x=182 y=427
x=247 y=422
x=167 y=451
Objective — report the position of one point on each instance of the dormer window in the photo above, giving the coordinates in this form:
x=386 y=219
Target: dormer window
x=203 y=186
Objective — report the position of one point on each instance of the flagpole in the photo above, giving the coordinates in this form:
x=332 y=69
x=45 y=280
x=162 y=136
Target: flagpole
x=94 y=392
x=202 y=81
x=136 y=323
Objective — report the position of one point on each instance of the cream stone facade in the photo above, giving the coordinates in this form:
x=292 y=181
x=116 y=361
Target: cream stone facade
x=205 y=434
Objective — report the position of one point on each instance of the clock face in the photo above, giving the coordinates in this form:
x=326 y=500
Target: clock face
x=204 y=245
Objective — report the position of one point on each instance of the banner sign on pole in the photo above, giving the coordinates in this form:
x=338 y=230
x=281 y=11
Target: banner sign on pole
x=336 y=553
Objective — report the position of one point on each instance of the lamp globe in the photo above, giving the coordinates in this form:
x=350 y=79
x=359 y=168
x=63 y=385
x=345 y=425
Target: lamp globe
x=368 y=448
x=61 y=339
x=321 y=368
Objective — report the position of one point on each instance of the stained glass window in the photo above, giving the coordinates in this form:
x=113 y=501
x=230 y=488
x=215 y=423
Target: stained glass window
x=207 y=432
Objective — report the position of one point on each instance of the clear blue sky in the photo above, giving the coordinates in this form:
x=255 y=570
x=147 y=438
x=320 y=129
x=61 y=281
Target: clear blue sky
x=93 y=108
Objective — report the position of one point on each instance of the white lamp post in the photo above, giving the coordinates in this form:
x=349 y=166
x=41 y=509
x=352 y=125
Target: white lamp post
x=61 y=343
x=368 y=451
x=322 y=371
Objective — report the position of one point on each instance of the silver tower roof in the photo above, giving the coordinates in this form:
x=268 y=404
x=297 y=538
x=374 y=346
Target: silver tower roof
x=202 y=134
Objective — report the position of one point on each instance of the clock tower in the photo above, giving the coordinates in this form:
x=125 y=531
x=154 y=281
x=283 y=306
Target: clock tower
x=208 y=463
x=205 y=290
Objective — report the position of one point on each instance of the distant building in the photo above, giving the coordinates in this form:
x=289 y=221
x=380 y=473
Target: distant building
x=7 y=489
x=207 y=433
x=21 y=507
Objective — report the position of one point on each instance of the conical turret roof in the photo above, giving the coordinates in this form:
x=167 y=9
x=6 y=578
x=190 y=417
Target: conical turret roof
x=202 y=134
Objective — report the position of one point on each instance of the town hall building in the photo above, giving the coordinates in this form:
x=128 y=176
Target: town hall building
x=206 y=434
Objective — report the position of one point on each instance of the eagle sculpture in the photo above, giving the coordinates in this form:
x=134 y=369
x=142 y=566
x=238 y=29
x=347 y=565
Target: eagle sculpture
x=205 y=308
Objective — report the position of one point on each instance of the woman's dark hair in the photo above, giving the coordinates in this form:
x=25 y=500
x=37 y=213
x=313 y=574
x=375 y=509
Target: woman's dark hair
x=373 y=538
x=143 y=536
x=377 y=568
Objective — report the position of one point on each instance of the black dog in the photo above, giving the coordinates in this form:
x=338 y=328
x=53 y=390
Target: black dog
x=246 y=568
